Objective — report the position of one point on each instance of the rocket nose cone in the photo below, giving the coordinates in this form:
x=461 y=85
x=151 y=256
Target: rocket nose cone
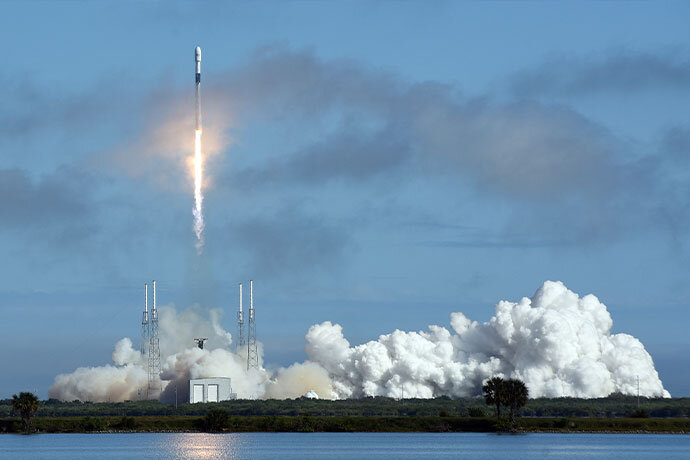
x=197 y=53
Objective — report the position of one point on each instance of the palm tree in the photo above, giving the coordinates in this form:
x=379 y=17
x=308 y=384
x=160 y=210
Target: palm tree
x=493 y=393
x=515 y=396
x=25 y=405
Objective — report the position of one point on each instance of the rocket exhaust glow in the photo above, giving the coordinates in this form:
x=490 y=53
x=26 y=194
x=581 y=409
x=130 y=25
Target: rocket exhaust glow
x=198 y=159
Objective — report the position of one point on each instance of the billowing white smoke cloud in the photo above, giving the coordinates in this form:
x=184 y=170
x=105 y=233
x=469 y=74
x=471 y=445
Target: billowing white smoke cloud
x=301 y=379
x=196 y=363
x=558 y=343
x=105 y=383
x=182 y=360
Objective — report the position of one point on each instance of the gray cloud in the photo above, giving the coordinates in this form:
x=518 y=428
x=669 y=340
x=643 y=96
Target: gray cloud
x=620 y=72
x=676 y=141
x=349 y=155
x=530 y=151
x=52 y=200
x=563 y=174
x=671 y=171
x=290 y=242
x=499 y=242
x=30 y=109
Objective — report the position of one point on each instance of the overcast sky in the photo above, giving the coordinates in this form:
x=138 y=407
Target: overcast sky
x=379 y=165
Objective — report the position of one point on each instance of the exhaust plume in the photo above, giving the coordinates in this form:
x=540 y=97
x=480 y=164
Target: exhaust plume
x=181 y=360
x=198 y=194
x=558 y=343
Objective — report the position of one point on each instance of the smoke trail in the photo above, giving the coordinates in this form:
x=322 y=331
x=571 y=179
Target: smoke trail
x=198 y=194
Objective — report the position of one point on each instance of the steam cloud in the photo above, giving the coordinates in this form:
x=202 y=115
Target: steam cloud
x=128 y=378
x=558 y=343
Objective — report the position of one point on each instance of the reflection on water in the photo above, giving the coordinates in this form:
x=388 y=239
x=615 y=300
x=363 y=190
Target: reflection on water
x=203 y=445
x=335 y=446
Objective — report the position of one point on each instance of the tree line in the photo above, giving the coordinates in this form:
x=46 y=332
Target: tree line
x=615 y=405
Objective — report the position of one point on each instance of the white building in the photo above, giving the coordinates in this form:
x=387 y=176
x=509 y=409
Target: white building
x=212 y=389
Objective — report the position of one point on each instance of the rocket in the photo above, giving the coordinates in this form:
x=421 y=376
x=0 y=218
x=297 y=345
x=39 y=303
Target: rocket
x=198 y=157
x=197 y=61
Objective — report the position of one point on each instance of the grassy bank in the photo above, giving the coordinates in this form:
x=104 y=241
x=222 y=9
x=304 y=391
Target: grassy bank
x=306 y=423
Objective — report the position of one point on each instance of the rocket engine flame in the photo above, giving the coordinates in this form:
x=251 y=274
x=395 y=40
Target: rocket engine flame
x=198 y=194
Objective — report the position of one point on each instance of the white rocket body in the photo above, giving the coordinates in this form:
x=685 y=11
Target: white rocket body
x=197 y=59
x=197 y=62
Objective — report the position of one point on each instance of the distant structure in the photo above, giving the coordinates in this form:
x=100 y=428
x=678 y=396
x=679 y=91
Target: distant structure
x=200 y=342
x=240 y=325
x=252 y=351
x=154 y=350
x=214 y=389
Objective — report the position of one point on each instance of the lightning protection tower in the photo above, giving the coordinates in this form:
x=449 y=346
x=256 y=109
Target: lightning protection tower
x=145 y=328
x=252 y=352
x=240 y=325
x=145 y=322
x=154 y=349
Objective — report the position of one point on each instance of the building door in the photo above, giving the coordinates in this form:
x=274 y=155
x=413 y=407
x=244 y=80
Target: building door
x=212 y=393
x=198 y=395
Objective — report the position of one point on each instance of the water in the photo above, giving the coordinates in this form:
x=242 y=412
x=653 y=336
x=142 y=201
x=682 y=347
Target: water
x=334 y=446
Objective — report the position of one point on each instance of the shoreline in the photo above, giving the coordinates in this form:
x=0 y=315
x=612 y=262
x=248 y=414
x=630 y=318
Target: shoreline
x=510 y=433
x=346 y=424
x=115 y=432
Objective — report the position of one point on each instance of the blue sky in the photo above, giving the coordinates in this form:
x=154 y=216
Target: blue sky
x=378 y=165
